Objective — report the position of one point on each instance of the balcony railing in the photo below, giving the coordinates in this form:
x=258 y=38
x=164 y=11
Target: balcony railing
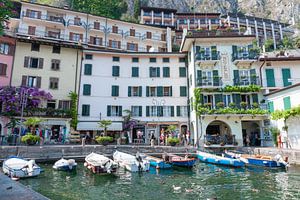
x=208 y=56
x=147 y=14
x=136 y=34
x=153 y=37
x=45 y=17
x=210 y=82
x=248 y=55
x=157 y=14
x=246 y=80
x=48 y=112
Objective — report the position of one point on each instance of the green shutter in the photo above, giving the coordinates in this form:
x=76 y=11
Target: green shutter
x=199 y=77
x=270 y=77
x=115 y=71
x=252 y=54
x=135 y=72
x=201 y=99
x=183 y=92
x=287 y=103
x=120 y=111
x=172 y=111
x=166 y=72
x=178 y=111
x=271 y=106
x=157 y=72
x=236 y=98
x=85 y=110
x=254 y=98
x=182 y=72
x=236 y=77
x=147 y=91
x=147 y=111
x=140 y=91
x=234 y=52
x=253 y=78
x=197 y=49
x=214 y=53
x=160 y=91
x=140 y=111
x=286 y=75
x=129 y=91
x=108 y=111
x=86 y=89
x=87 y=69
x=115 y=91
x=150 y=70
x=216 y=79
x=161 y=111
x=218 y=98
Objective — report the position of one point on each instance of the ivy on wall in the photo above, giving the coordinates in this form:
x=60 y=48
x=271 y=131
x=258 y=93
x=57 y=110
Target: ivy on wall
x=74 y=98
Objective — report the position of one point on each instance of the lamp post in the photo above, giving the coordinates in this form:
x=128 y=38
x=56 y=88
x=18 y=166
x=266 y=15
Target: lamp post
x=158 y=103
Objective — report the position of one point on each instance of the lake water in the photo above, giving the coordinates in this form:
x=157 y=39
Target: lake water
x=204 y=181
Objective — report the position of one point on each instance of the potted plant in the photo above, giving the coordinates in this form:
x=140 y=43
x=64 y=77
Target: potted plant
x=172 y=141
x=244 y=104
x=232 y=105
x=30 y=139
x=104 y=140
x=220 y=104
x=255 y=105
x=104 y=124
x=207 y=105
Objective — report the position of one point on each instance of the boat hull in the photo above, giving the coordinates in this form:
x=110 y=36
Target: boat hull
x=65 y=165
x=160 y=165
x=99 y=164
x=64 y=168
x=187 y=163
x=18 y=168
x=218 y=160
x=130 y=162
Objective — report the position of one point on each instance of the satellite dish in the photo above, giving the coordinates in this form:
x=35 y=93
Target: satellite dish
x=151 y=49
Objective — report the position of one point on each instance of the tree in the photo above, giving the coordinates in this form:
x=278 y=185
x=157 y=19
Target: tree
x=269 y=45
x=171 y=129
x=32 y=122
x=137 y=7
x=104 y=124
x=297 y=42
x=6 y=11
x=74 y=98
x=107 y=8
x=129 y=123
x=286 y=43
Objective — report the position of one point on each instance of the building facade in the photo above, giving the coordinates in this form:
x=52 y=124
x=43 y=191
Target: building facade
x=152 y=86
x=158 y=16
x=7 y=50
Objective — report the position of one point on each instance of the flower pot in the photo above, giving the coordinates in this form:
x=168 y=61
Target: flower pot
x=173 y=144
x=30 y=142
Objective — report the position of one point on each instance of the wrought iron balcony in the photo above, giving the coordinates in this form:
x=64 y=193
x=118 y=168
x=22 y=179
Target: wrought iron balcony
x=246 y=80
x=244 y=56
x=210 y=82
x=214 y=55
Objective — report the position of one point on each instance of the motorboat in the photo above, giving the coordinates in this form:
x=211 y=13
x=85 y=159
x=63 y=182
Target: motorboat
x=132 y=163
x=181 y=161
x=219 y=160
x=65 y=165
x=16 y=168
x=159 y=163
x=100 y=164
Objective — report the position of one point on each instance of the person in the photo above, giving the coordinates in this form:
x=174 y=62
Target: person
x=152 y=139
x=247 y=140
x=279 y=141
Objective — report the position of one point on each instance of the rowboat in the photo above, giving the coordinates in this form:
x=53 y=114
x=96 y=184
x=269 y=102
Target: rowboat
x=219 y=160
x=158 y=163
x=182 y=161
x=19 y=168
x=97 y=163
x=132 y=163
x=259 y=160
x=65 y=165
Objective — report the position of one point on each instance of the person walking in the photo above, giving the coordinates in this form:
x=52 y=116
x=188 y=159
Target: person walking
x=279 y=141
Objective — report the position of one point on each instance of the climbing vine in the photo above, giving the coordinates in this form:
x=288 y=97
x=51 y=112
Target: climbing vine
x=285 y=114
x=73 y=96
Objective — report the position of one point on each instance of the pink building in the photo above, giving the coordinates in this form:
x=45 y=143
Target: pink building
x=7 y=49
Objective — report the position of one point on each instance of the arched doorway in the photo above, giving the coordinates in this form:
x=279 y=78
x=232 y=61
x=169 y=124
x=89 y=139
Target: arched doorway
x=219 y=133
x=251 y=133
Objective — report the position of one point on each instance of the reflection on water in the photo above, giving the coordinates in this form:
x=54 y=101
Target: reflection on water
x=202 y=182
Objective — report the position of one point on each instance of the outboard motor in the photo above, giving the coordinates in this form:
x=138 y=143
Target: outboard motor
x=30 y=165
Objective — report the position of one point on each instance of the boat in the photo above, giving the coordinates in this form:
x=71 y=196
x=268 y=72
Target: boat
x=259 y=160
x=219 y=160
x=132 y=163
x=159 y=163
x=16 y=168
x=65 y=165
x=182 y=161
x=100 y=164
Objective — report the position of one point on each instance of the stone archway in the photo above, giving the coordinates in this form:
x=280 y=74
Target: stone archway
x=219 y=132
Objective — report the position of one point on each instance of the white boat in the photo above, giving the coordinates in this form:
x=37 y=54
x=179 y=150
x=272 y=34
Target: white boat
x=65 y=165
x=20 y=168
x=100 y=164
x=131 y=163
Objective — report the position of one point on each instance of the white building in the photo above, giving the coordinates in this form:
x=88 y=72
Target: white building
x=153 y=86
x=286 y=99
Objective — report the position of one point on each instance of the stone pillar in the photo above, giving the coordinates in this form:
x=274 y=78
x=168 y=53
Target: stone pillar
x=162 y=18
x=199 y=25
x=172 y=16
x=273 y=35
x=238 y=23
x=169 y=39
x=256 y=31
x=152 y=17
x=209 y=24
x=265 y=31
x=188 y=23
x=228 y=20
x=247 y=25
x=280 y=32
x=142 y=16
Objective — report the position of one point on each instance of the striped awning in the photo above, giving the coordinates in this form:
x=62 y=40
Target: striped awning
x=94 y=126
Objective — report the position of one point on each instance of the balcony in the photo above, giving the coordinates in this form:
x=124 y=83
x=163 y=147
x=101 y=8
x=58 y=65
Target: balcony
x=50 y=18
x=246 y=80
x=157 y=15
x=207 y=58
x=48 y=112
x=210 y=82
x=244 y=58
x=119 y=32
x=136 y=35
x=168 y=16
x=147 y=14
x=153 y=37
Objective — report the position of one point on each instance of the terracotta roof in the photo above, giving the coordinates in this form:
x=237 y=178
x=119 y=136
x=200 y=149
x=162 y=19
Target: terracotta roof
x=283 y=89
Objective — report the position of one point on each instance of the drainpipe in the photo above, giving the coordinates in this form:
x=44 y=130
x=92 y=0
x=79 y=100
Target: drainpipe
x=260 y=71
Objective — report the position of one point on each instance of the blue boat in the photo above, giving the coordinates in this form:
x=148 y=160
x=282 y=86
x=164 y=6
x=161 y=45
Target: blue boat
x=182 y=161
x=259 y=160
x=158 y=163
x=219 y=160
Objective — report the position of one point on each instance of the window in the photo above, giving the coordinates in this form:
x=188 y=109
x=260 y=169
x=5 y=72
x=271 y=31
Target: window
x=4 y=48
x=3 y=68
x=53 y=83
x=152 y=60
x=35 y=47
x=116 y=59
x=135 y=91
x=114 y=44
x=149 y=35
x=227 y=99
x=31 y=30
x=183 y=91
x=154 y=72
x=114 y=111
x=77 y=21
x=132 y=46
x=132 y=32
x=33 y=62
x=85 y=110
x=76 y=36
x=182 y=72
x=51 y=104
x=167 y=91
x=33 y=14
x=207 y=78
x=87 y=89
x=181 y=60
x=135 y=72
x=31 y=81
x=167 y=111
x=88 y=69
x=136 y=111
x=115 y=90
x=182 y=111
x=89 y=56
x=97 y=25
x=166 y=72
x=153 y=111
x=64 y=104
x=116 y=71
x=287 y=103
x=55 y=64
x=135 y=59
x=114 y=29
x=166 y=60
x=56 y=49
x=152 y=91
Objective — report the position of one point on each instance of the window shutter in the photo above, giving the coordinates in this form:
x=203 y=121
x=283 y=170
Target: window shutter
x=183 y=91
x=26 y=61
x=88 y=69
x=110 y=43
x=86 y=89
x=147 y=111
x=120 y=111
x=182 y=72
x=287 y=103
x=119 y=44
x=147 y=91
x=286 y=75
x=199 y=77
x=81 y=37
x=201 y=99
x=166 y=72
x=161 y=111
x=236 y=98
x=129 y=91
x=216 y=80
x=71 y=36
x=11 y=50
x=253 y=78
x=108 y=111
x=39 y=14
x=218 y=98
x=270 y=77
x=24 y=81
x=236 y=79
x=271 y=106
x=136 y=47
x=172 y=111
x=254 y=98
x=234 y=52
x=38 y=82
x=140 y=111
x=160 y=91
x=251 y=53
x=197 y=49
x=92 y=41
x=158 y=71
x=214 y=54
x=178 y=111
x=140 y=91
x=41 y=63
x=150 y=70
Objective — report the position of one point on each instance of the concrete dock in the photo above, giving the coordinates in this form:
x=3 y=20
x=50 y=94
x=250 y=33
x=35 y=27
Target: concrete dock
x=13 y=190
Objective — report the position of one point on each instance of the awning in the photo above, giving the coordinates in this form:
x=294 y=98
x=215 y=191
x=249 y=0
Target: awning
x=94 y=126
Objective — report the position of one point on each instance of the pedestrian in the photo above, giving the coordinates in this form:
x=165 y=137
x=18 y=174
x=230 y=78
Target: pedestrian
x=247 y=140
x=279 y=143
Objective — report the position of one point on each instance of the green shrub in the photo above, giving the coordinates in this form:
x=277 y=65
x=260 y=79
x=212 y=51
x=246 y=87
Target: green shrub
x=104 y=139
x=220 y=104
x=173 y=140
x=30 y=139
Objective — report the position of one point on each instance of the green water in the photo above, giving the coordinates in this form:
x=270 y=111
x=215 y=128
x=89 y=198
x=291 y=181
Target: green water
x=204 y=181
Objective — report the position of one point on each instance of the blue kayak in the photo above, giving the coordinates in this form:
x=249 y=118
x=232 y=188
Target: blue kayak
x=219 y=160
x=158 y=163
